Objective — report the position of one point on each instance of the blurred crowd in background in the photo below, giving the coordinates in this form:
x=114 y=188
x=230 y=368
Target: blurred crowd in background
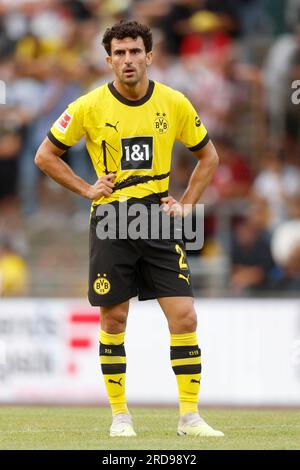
x=236 y=60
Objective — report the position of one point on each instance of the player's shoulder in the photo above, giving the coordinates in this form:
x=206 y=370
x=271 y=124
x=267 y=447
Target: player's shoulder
x=94 y=96
x=169 y=92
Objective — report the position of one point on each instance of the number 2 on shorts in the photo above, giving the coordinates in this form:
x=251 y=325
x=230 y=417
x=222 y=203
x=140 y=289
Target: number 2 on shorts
x=182 y=263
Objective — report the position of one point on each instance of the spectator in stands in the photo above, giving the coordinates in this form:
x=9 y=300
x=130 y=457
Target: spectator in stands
x=292 y=123
x=251 y=259
x=13 y=271
x=10 y=146
x=277 y=72
x=291 y=280
x=219 y=93
x=286 y=248
x=53 y=96
x=276 y=182
x=233 y=177
x=251 y=15
x=12 y=121
x=174 y=23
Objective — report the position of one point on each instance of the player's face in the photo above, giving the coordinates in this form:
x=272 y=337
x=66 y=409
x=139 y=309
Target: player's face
x=129 y=60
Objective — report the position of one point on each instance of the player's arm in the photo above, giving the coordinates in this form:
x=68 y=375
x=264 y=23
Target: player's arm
x=193 y=134
x=202 y=175
x=208 y=161
x=48 y=160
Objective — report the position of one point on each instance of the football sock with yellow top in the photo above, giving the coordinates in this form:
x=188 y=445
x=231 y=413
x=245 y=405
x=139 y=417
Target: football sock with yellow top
x=186 y=364
x=113 y=365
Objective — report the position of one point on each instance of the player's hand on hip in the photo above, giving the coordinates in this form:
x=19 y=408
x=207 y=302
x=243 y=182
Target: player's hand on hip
x=103 y=187
x=172 y=207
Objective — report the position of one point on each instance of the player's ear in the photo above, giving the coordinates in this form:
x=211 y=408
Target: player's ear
x=149 y=57
x=108 y=60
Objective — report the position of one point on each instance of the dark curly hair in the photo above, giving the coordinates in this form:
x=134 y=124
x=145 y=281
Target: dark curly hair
x=125 y=29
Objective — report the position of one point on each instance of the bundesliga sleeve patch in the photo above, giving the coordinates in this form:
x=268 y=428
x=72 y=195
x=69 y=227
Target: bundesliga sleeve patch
x=63 y=122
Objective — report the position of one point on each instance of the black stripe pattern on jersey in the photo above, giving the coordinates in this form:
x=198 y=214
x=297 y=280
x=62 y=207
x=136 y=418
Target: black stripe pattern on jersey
x=136 y=179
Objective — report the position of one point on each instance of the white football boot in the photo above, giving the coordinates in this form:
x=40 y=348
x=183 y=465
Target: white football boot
x=191 y=424
x=122 y=426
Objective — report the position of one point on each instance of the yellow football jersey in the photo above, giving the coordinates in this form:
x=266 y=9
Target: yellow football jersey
x=133 y=139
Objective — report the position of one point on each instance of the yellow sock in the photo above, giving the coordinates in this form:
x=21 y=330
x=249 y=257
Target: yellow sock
x=186 y=364
x=113 y=365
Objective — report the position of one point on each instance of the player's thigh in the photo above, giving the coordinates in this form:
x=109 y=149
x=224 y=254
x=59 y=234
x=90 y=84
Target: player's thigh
x=180 y=314
x=164 y=270
x=112 y=270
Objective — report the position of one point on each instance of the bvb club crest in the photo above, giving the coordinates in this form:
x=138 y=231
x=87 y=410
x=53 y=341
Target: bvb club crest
x=101 y=285
x=161 y=124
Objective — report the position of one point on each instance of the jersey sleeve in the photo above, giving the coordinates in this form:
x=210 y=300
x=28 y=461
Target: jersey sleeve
x=191 y=132
x=68 y=129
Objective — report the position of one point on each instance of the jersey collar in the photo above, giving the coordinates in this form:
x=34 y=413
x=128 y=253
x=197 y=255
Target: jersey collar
x=128 y=102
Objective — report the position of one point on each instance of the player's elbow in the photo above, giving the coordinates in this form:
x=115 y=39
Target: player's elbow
x=210 y=161
x=214 y=159
x=40 y=159
x=208 y=157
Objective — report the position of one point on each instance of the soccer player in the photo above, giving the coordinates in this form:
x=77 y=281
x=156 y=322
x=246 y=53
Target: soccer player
x=130 y=126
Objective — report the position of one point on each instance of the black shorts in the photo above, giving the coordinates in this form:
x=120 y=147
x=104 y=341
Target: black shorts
x=124 y=268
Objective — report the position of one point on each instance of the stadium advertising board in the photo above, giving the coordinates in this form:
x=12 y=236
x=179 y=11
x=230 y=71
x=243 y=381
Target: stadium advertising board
x=250 y=353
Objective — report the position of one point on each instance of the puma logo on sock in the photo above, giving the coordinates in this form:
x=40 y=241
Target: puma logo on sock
x=111 y=381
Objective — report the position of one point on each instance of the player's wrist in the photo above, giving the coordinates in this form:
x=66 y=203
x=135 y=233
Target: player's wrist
x=88 y=192
x=186 y=208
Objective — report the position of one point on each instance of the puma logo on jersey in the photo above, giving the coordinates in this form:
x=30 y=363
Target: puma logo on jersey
x=107 y=124
x=111 y=381
x=194 y=381
x=186 y=278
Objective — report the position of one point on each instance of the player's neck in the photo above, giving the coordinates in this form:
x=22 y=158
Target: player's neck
x=135 y=92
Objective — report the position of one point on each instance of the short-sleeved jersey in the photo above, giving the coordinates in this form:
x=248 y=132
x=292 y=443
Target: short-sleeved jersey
x=133 y=139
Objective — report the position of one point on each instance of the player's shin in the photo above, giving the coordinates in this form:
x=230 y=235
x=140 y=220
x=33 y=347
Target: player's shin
x=113 y=365
x=186 y=364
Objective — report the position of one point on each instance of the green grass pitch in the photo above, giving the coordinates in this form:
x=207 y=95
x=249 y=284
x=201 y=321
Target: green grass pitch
x=87 y=428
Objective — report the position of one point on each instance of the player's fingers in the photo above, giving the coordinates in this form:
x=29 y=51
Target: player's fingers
x=109 y=190
x=100 y=184
x=103 y=188
x=169 y=210
x=106 y=192
x=166 y=199
x=175 y=210
x=108 y=184
x=110 y=176
x=168 y=205
x=172 y=210
x=105 y=180
x=169 y=200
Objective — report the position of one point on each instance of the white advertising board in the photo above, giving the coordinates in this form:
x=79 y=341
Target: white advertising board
x=250 y=352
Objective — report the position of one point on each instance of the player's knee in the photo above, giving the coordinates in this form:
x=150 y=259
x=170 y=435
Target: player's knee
x=113 y=320
x=189 y=321
x=185 y=322
x=113 y=325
